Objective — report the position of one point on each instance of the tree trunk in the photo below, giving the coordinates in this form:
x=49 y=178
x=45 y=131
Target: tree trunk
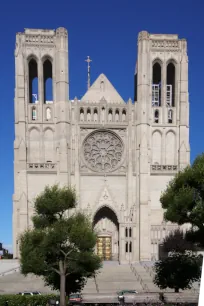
x=176 y=290
x=62 y=289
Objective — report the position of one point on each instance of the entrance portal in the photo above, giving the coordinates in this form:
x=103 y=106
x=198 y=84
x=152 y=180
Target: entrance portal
x=104 y=247
x=106 y=226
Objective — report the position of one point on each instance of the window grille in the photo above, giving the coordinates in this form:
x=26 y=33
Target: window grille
x=34 y=114
x=156 y=116
x=170 y=116
x=169 y=95
x=155 y=94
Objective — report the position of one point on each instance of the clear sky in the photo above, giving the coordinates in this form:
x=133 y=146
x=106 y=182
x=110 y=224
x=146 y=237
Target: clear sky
x=107 y=31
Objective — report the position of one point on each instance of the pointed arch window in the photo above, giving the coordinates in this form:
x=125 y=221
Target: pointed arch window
x=126 y=232
x=123 y=115
x=102 y=86
x=156 y=116
x=156 y=84
x=110 y=115
x=117 y=115
x=88 y=114
x=95 y=114
x=170 y=85
x=81 y=114
x=130 y=232
x=130 y=247
x=47 y=81
x=170 y=116
x=34 y=113
x=33 y=81
x=126 y=247
x=103 y=114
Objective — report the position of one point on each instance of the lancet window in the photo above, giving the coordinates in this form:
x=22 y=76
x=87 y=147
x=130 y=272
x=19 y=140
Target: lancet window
x=156 y=84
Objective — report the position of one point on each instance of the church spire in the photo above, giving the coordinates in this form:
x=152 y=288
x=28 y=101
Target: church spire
x=88 y=60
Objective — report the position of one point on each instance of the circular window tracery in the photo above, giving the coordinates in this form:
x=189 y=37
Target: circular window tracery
x=103 y=151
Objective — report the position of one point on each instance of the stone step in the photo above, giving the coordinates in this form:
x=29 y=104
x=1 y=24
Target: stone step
x=113 y=278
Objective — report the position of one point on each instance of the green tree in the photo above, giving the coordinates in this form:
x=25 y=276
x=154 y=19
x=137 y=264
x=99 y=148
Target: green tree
x=59 y=247
x=176 y=242
x=178 y=271
x=183 y=200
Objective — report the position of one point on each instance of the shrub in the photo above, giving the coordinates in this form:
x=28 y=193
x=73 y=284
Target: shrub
x=25 y=300
x=178 y=271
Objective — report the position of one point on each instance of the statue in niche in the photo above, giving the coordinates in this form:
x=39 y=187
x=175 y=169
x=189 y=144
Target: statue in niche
x=89 y=115
x=81 y=115
x=117 y=116
x=123 y=116
x=102 y=86
x=95 y=115
x=48 y=113
x=103 y=114
x=110 y=116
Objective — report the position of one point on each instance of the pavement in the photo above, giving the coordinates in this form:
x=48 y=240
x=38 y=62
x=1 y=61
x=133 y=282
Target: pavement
x=111 y=279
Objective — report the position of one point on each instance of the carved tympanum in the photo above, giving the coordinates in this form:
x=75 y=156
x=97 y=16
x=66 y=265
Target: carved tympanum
x=103 y=151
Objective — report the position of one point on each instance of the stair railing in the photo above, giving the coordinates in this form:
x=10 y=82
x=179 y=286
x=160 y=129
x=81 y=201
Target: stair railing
x=139 y=278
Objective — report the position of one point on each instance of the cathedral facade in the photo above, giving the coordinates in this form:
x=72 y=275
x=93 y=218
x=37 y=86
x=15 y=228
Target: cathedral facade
x=119 y=155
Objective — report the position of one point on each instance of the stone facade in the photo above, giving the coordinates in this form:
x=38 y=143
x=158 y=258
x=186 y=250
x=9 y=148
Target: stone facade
x=119 y=155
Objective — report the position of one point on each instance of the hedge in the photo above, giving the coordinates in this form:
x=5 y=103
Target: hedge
x=25 y=300
x=42 y=300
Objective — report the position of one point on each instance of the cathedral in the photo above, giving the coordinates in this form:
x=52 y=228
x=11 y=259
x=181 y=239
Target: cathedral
x=119 y=155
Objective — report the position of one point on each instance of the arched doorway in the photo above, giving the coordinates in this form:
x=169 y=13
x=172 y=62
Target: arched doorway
x=106 y=225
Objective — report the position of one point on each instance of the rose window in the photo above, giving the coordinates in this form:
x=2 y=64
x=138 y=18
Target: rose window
x=103 y=151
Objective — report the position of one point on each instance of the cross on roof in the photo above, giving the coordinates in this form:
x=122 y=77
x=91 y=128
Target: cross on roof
x=88 y=60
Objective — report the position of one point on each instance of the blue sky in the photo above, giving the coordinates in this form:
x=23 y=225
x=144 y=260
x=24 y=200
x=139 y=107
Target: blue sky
x=107 y=31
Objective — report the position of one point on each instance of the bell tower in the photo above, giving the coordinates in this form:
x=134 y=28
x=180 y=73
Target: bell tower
x=162 y=124
x=41 y=145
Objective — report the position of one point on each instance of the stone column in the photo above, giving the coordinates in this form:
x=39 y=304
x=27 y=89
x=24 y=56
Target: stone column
x=183 y=102
x=143 y=138
x=20 y=204
x=62 y=107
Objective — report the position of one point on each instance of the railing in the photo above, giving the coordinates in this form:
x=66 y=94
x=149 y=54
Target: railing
x=139 y=278
x=148 y=269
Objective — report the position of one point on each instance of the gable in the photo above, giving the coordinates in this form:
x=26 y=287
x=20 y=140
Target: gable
x=102 y=90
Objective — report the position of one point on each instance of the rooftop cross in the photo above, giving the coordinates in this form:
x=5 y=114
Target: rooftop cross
x=88 y=60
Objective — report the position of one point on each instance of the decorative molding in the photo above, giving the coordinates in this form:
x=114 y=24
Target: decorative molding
x=165 y=45
x=103 y=151
x=143 y=35
x=159 y=232
x=105 y=199
x=39 y=40
x=163 y=169
x=41 y=166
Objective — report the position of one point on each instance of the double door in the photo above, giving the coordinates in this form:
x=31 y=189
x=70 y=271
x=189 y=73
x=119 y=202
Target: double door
x=104 y=247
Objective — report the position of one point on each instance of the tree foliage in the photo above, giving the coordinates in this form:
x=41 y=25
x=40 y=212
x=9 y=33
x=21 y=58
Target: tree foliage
x=59 y=247
x=176 y=242
x=183 y=200
x=178 y=271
